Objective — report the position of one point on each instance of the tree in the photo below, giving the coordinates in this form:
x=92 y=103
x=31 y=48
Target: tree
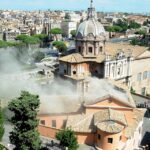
x=147 y=22
x=25 y=135
x=123 y=24
x=132 y=90
x=141 y=32
x=67 y=138
x=28 y=39
x=38 y=56
x=135 y=41
x=134 y=25
x=1 y=124
x=42 y=37
x=114 y=28
x=110 y=29
x=1 y=128
x=60 y=45
x=73 y=33
x=55 y=32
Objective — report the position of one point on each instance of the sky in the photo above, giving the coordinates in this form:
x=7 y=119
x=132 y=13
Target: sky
x=138 y=6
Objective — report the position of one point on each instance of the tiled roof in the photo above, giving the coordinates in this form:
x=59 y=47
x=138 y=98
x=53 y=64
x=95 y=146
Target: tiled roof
x=108 y=115
x=113 y=48
x=110 y=127
x=78 y=58
x=110 y=121
x=107 y=120
x=81 y=123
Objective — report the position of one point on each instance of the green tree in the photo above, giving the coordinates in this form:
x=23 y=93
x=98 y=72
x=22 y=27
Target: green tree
x=141 y=32
x=28 y=39
x=42 y=37
x=67 y=16
x=38 y=56
x=67 y=138
x=114 y=28
x=25 y=135
x=110 y=29
x=132 y=90
x=134 y=25
x=147 y=22
x=60 y=45
x=1 y=124
x=1 y=127
x=55 y=32
x=73 y=33
x=123 y=24
x=135 y=41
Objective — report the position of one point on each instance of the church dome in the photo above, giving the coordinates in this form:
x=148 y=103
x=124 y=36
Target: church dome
x=91 y=26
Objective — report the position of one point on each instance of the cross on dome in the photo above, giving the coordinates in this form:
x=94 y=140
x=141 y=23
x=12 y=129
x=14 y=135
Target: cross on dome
x=91 y=11
x=91 y=3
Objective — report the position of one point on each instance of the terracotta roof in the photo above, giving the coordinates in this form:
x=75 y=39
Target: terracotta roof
x=128 y=102
x=109 y=115
x=72 y=58
x=108 y=120
x=78 y=58
x=113 y=48
x=81 y=123
x=110 y=127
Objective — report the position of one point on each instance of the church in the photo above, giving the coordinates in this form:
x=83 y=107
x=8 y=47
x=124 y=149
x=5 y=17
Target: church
x=95 y=57
x=106 y=116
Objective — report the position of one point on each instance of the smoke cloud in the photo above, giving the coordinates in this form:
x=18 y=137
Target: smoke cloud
x=58 y=96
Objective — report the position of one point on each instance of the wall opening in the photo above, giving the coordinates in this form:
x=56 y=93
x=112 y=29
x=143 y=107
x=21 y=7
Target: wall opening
x=90 y=49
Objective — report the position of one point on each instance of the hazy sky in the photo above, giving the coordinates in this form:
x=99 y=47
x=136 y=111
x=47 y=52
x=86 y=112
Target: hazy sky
x=101 y=5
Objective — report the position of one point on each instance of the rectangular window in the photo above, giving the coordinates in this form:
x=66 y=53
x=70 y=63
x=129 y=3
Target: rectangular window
x=54 y=123
x=143 y=91
x=42 y=122
x=145 y=75
x=139 y=77
x=90 y=50
x=65 y=71
x=120 y=138
x=110 y=140
x=79 y=48
x=149 y=74
x=64 y=124
x=101 y=49
x=99 y=136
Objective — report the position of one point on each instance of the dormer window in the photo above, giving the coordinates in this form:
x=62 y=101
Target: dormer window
x=90 y=49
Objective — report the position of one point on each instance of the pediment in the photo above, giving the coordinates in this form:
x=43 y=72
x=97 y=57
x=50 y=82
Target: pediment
x=145 y=54
x=110 y=101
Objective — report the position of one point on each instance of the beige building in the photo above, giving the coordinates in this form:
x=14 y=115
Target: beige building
x=68 y=26
x=108 y=122
x=124 y=63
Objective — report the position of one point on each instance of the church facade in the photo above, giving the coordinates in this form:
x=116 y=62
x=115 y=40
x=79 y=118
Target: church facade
x=110 y=120
x=92 y=58
x=97 y=58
